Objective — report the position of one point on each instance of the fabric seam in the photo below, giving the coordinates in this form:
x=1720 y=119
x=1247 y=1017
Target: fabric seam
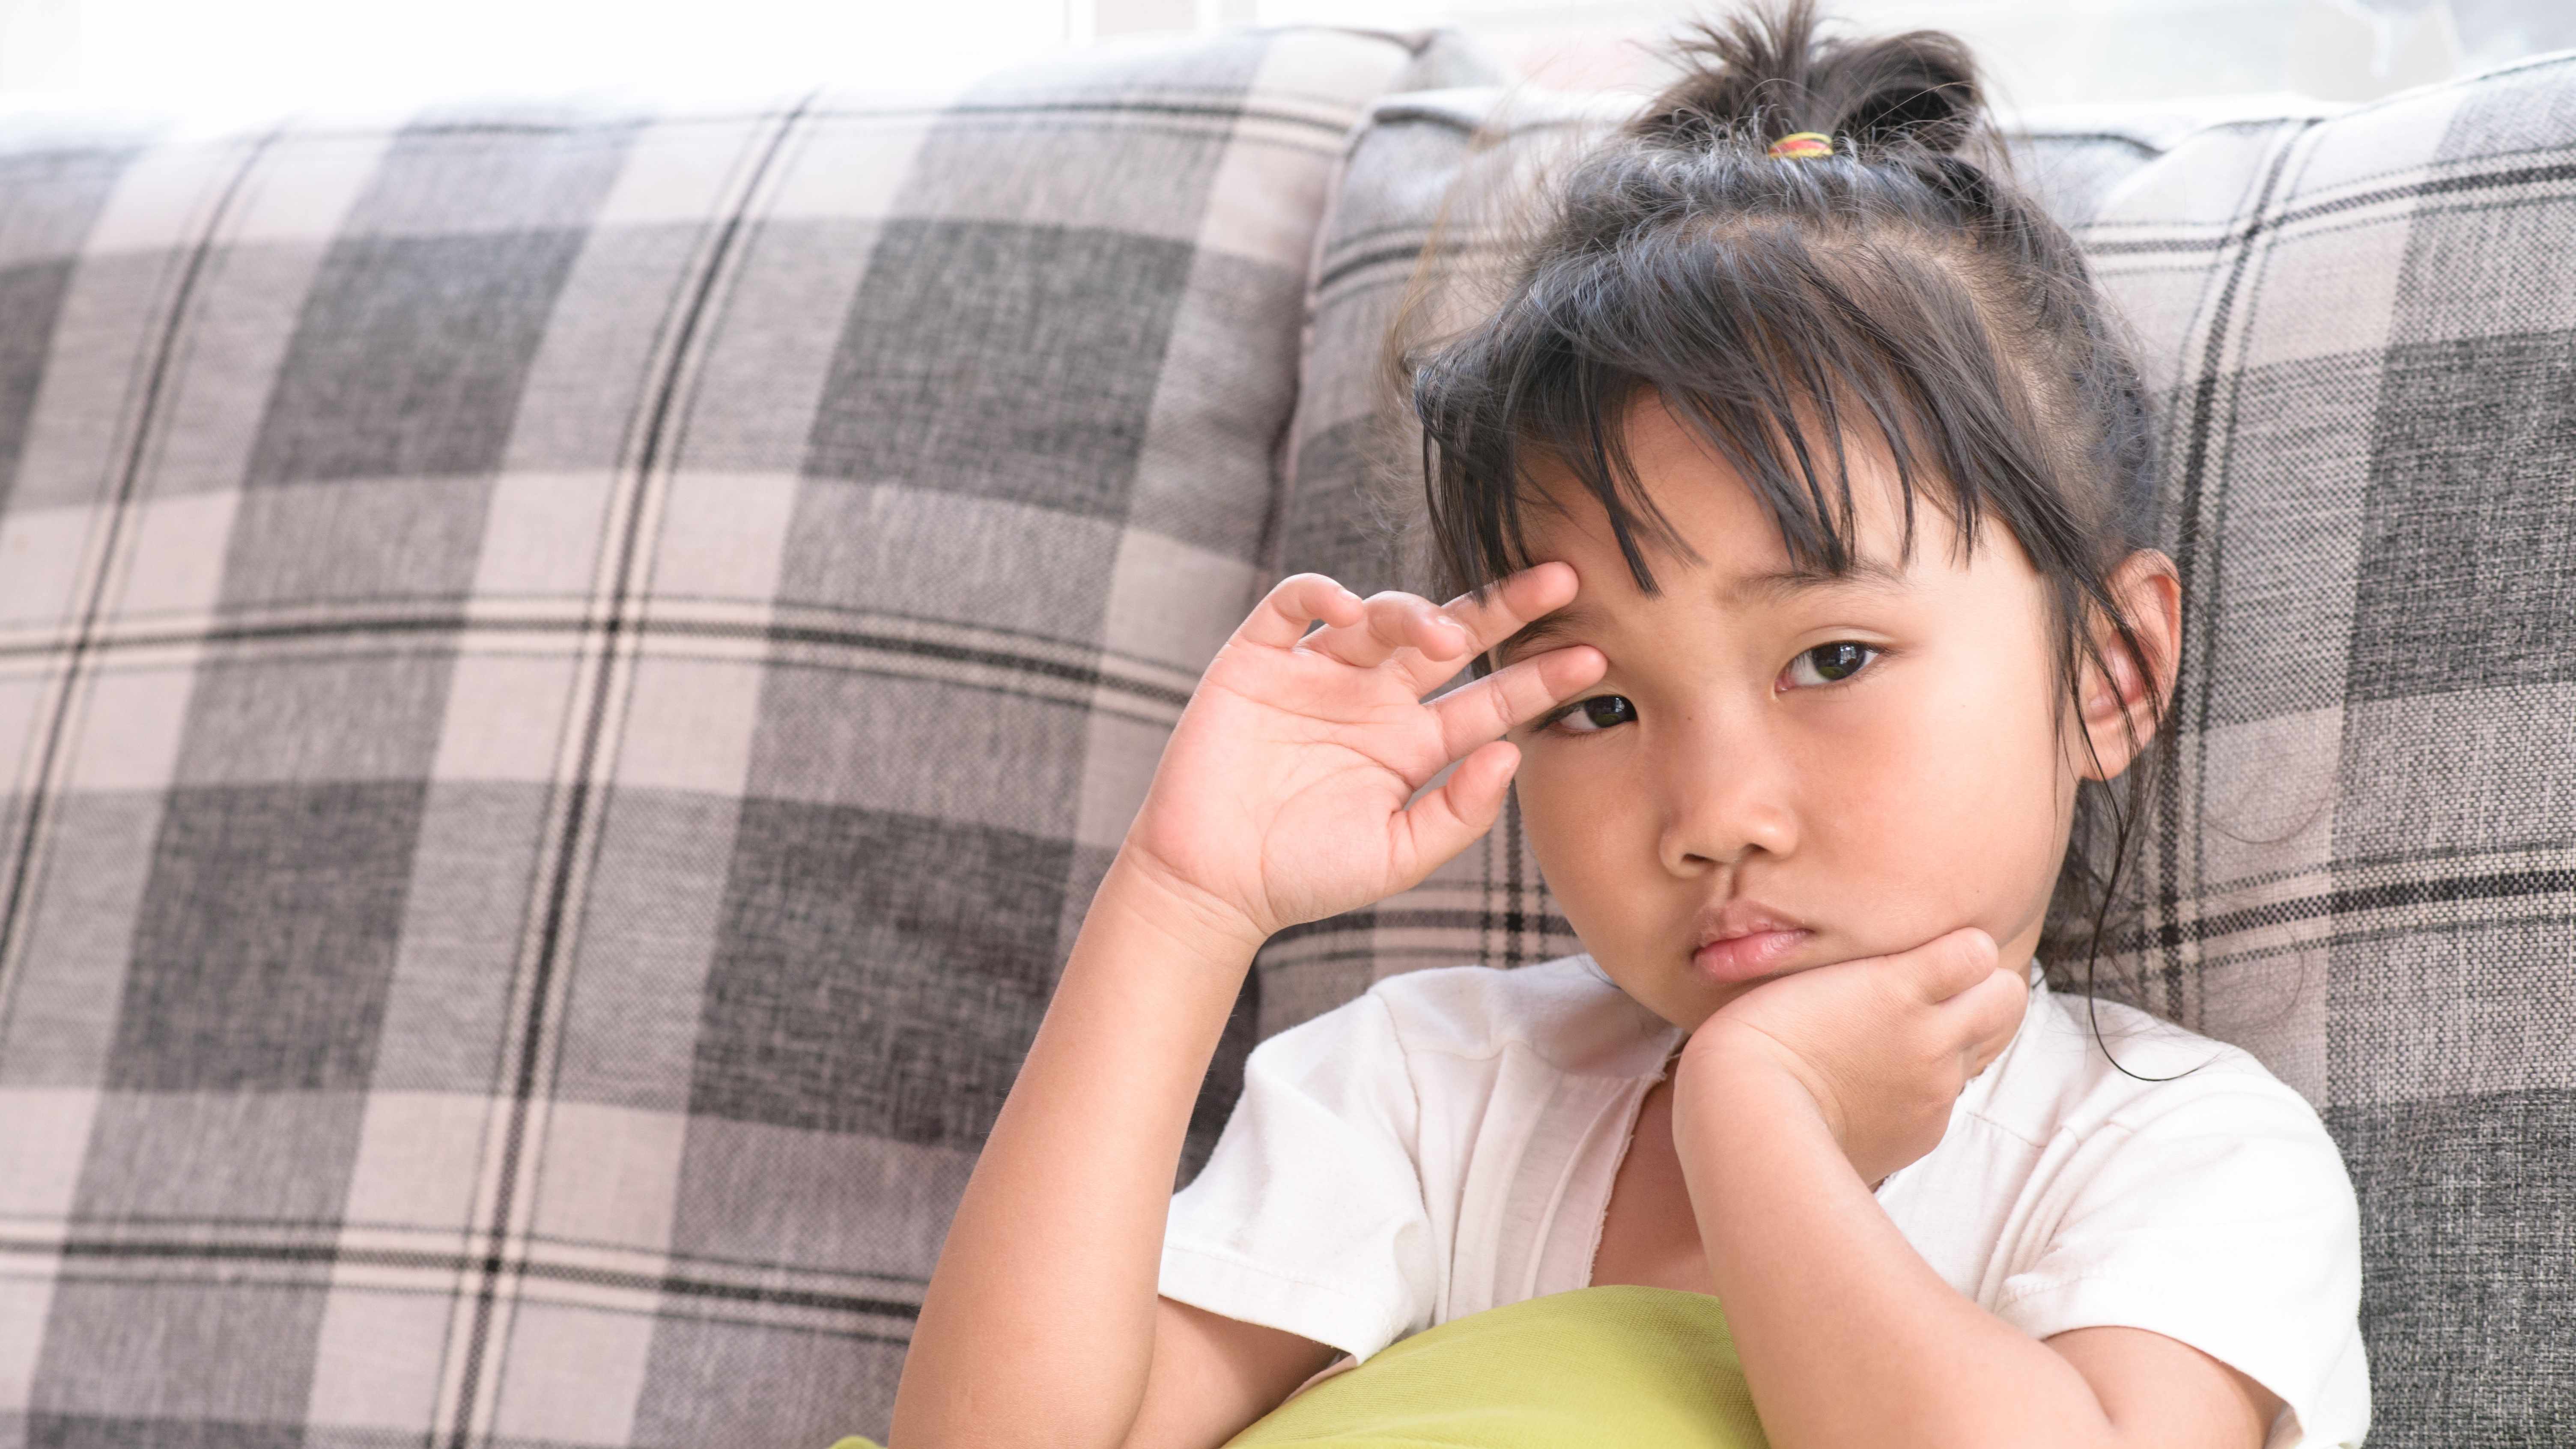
x=1268 y=1271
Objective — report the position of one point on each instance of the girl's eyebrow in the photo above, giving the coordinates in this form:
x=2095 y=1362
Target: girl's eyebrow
x=1865 y=573
x=1572 y=619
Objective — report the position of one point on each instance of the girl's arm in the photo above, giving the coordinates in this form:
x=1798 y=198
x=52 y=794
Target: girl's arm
x=1039 y=1325
x=1847 y=1336
x=1285 y=794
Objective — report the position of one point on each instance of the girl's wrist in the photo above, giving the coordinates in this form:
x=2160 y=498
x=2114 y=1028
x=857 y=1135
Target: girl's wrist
x=1197 y=921
x=1720 y=1065
x=1730 y=1093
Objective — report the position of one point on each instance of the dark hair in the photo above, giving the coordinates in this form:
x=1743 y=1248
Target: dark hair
x=1903 y=284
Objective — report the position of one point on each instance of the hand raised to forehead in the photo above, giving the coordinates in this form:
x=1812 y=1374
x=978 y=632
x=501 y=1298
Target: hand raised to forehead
x=1282 y=796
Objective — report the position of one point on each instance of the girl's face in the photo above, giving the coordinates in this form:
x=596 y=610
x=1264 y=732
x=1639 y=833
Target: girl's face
x=1783 y=770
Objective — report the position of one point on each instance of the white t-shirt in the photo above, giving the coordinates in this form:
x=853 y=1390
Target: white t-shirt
x=1445 y=1143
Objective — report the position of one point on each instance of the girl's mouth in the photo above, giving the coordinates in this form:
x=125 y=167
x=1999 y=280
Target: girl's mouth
x=1745 y=957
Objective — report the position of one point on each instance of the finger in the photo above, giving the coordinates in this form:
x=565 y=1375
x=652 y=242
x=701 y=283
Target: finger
x=1946 y=965
x=1280 y=619
x=1991 y=1014
x=1393 y=621
x=1496 y=612
x=1493 y=705
x=1449 y=819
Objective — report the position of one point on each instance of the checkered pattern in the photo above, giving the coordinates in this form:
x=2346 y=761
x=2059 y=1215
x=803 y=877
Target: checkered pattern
x=2361 y=327
x=565 y=676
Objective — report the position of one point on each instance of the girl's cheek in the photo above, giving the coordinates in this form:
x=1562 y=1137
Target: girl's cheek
x=1578 y=847
x=1886 y=773
x=1542 y=786
x=1913 y=799
x=1975 y=794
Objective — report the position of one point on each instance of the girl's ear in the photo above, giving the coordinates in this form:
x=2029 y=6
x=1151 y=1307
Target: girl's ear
x=2121 y=710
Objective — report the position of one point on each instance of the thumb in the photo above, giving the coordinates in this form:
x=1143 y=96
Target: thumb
x=1952 y=963
x=1448 y=820
x=1994 y=1008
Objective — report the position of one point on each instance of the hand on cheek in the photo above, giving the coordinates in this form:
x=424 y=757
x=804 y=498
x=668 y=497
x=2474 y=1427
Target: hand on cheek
x=1881 y=1045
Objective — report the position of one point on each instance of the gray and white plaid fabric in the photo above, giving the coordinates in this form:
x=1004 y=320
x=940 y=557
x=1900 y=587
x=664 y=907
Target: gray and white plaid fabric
x=2365 y=869
x=2361 y=327
x=565 y=676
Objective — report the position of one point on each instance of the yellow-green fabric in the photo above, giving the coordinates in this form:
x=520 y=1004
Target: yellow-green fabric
x=1618 y=1367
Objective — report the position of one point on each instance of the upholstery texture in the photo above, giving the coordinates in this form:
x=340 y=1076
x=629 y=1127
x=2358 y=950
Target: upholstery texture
x=2360 y=326
x=565 y=677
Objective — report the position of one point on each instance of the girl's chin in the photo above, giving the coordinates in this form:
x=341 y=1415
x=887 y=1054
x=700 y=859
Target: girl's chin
x=1688 y=998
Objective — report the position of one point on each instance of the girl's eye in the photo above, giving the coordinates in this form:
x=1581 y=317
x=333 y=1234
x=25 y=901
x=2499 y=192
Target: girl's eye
x=1829 y=663
x=1598 y=713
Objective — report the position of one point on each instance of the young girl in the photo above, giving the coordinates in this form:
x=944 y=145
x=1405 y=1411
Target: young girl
x=1789 y=498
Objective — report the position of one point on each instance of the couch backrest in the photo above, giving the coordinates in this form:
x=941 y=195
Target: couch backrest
x=565 y=677
x=2359 y=325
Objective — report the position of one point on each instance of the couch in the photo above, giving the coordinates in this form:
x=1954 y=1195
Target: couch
x=567 y=669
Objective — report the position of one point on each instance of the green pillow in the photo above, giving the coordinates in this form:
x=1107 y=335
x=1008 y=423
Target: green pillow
x=1619 y=1367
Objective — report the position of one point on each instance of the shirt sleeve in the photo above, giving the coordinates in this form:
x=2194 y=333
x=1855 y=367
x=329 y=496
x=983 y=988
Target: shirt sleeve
x=2225 y=1220
x=1309 y=1215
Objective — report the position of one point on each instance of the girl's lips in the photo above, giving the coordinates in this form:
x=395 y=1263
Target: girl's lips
x=1742 y=958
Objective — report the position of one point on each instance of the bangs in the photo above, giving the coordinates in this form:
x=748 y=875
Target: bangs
x=1777 y=352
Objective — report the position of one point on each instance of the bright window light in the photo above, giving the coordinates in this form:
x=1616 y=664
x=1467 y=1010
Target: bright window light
x=200 y=56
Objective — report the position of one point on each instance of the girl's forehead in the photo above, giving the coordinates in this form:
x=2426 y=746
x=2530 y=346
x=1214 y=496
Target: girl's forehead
x=1679 y=470
x=1739 y=568
x=1724 y=537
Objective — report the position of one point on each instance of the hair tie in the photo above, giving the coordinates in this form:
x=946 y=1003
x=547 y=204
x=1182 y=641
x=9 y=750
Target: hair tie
x=1800 y=144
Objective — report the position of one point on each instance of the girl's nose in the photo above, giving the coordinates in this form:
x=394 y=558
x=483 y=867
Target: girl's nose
x=1726 y=795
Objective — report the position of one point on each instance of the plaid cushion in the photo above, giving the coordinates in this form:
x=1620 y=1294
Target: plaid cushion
x=565 y=677
x=2361 y=326
x=2364 y=330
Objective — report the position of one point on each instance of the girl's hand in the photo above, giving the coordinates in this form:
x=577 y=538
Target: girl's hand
x=1882 y=1045
x=1282 y=795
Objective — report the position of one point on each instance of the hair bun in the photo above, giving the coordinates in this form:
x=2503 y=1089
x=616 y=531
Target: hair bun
x=1763 y=73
